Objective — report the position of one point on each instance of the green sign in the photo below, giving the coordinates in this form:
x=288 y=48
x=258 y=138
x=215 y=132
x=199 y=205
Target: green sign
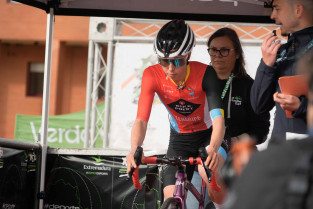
x=65 y=131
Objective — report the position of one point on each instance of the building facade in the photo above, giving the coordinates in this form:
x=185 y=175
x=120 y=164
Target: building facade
x=22 y=56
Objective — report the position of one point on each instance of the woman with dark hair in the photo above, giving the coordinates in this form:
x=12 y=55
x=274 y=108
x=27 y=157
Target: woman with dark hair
x=227 y=60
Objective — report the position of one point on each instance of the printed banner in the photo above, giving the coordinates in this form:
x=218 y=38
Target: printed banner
x=98 y=182
x=18 y=179
x=65 y=131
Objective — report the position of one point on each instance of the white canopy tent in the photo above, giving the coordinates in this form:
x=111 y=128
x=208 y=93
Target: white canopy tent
x=249 y=11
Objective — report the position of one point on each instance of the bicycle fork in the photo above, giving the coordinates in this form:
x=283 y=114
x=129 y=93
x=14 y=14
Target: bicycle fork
x=180 y=190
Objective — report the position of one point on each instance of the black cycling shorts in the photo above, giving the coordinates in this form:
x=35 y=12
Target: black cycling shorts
x=184 y=145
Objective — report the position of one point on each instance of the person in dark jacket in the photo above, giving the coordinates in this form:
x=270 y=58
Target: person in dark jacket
x=227 y=60
x=241 y=122
x=281 y=175
x=295 y=18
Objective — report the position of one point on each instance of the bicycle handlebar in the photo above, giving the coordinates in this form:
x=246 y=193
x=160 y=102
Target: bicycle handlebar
x=175 y=161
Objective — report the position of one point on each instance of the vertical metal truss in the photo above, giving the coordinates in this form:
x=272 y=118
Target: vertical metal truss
x=138 y=31
x=94 y=118
x=101 y=31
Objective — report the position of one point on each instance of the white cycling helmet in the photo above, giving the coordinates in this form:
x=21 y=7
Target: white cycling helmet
x=173 y=39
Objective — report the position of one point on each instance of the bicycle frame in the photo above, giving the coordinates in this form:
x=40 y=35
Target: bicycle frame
x=182 y=184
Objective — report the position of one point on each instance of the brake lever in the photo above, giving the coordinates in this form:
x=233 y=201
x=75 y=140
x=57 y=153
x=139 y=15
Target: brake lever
x=203 y=155
x=208 y=172
x=130 y=174
x=137 y=158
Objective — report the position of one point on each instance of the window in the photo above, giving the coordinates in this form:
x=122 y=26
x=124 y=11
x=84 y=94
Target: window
x=13 y=2
x=35 y=79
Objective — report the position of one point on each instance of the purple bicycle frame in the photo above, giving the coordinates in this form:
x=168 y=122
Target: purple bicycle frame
x=181 y=184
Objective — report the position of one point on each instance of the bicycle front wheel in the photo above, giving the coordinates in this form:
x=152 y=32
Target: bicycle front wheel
x=171 y=203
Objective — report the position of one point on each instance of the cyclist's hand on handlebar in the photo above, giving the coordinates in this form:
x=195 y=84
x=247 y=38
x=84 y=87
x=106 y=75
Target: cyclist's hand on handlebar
x=130 y=161
x=212 y=160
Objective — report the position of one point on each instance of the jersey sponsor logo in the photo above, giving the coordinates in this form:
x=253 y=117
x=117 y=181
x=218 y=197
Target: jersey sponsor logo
x=168 y=91
x=183 y=107
x=193 y=119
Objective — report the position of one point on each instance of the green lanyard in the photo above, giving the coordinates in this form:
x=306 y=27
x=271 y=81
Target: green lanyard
x=230 y=78
x=283 y=54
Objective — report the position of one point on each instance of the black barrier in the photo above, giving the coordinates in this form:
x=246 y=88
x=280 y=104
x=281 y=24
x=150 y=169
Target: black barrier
x=98 y=182
x=18 y=178
x=77 y=181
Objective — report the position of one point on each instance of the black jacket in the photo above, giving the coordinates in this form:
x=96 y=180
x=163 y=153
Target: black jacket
x=242 y=118
x=266 y=84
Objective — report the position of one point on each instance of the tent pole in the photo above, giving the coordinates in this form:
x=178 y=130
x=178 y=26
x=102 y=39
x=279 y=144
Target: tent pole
x=45 y=103
x=108 y=84
x=91 y=52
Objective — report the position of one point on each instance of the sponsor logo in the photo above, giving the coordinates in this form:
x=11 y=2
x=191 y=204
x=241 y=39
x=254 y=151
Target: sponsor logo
x=237 y=100
x=98 y=160
x=123 y=173
x=62 y=135
x=196 y=118
x=32 y=157
x=53 y=206
x=168 y=91
x=180 y=183
x=183 y=107
x=166 y=86
x=98 y=168
x=96 y=173
x=8 y=206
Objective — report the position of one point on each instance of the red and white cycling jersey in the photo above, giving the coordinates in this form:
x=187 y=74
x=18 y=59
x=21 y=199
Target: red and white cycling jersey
x=188 y=107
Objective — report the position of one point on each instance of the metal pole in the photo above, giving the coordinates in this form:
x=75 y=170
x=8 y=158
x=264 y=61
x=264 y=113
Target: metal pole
x=108 y=84
x=45 y=103
x=91 y=52
x=19 y=144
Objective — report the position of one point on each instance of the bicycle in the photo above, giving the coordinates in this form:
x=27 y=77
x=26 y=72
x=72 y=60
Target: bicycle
x=178 y=201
